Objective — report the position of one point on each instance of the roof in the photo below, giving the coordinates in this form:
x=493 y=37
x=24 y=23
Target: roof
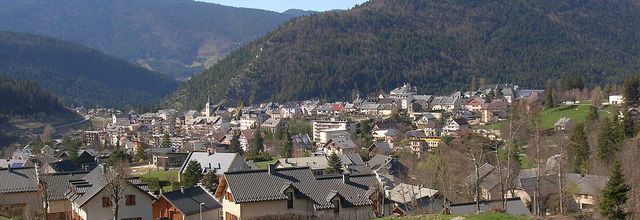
x=188 y=200
x=315 y=163
x=64 y=166
x=58 y=183
x=460 y=121
x=351 y=159
x=271 y=123
x=80 y=191
x=381 y=146
x=219 y=162
x=515 y=206
x=563 y=122
x=586 y=185
x=16 y=180
x=318 y=190
x=404 y=193
x=343 y=142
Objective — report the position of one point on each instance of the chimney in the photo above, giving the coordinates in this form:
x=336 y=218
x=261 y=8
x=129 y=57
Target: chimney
x=182 y=190
x=272 y=169
x=219 y=167
x=210 y=166
x=345 y=178
x=102 y=169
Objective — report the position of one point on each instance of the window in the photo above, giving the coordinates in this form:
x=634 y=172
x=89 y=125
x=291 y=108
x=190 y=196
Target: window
x=289 y=200
x=230 y=216
x=336 y=206
x=229 y=196
x=106 y=202
x=130 y=200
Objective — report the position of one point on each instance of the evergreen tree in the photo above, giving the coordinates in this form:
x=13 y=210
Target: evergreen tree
x=628 y=125
x=593 y=116
x=603 y=141
x=286 y=150
x=210 y=181
x=165 y=141
x=192 y=174
x=631 y=91
x=258 y=141
x=335 y=164
x=549 y=102
x=234 y=143
x=140 y=156
x=73 y=149
x=489 y=97
x=579 y=150
x=117 y=156
x=614 y=195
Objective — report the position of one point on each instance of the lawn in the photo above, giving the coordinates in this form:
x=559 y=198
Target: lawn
x=265 y=164
x=166 y=175
x=483 y=216
x=578 y=113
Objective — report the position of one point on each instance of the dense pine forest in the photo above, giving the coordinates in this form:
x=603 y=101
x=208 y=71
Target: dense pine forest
x=168 y=36
x=440 y=46
x=26 y=99
x=77 y=74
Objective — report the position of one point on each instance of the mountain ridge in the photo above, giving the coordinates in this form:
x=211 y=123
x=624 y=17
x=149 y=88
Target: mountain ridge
x=439 y=46
x=174 y=37
x=78 y=74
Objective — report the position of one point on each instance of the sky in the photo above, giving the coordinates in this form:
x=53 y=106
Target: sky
x=283 y=5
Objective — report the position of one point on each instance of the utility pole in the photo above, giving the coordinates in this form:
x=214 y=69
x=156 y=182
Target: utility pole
x=560 y=170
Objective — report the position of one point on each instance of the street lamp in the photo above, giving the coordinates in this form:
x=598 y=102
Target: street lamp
x=201 y=204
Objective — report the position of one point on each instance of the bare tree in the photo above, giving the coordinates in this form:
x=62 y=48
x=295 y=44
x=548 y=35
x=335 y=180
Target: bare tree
x=115 y=181
x=43 y=182
x=474 y=147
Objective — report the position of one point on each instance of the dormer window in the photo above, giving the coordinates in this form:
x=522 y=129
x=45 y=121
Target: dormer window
x=289 y=200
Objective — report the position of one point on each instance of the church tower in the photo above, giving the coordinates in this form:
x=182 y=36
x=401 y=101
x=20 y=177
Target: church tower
x=208 y=108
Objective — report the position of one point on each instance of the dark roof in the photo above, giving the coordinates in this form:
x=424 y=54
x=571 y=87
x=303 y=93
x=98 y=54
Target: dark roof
x=353 y=193
x=64 y=166
x=188 y=200
x=515 y=206
x=461 y=121
x=351 y=159
x=17 y=180
x=82 y=190
x=58 y=183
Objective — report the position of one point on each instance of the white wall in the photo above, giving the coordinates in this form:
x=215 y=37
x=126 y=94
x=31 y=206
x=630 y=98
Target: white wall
x=93 y=208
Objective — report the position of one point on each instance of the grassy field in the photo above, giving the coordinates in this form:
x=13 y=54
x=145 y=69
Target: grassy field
x=167 y=175
x=484 y=216
x=548 y=117
x=265 y=164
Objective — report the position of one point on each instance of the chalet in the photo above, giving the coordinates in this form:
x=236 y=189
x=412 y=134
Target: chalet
x=19 y=192
x=217 y=163
x=584 y=190
x=90 y=199
x=457 y=124
x=340 y=145
x=445 y=103
x=246 y=138
x=187 y=203
x=290 y=110
x=489 y=181
x=411 y=200
x=475 y=104
x=494 y=111
x=379 y=147
x=339 y=197
x=389 y=170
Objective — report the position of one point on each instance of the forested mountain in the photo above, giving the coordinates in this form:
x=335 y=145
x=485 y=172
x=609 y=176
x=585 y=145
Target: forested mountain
x=437 y=45
x=79 y=75
x=26 y=99
x=169 y=36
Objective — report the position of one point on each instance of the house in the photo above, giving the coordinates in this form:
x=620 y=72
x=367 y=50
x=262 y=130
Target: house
x=456 y=124
x=379 y=147
x=494 y=111
x=166 y=160
x=616 y=99
x=57 y=186
x=318 y=164
x=216 y=162
x=246 y=138
x=445 y=103
x=90 y=198
x=120 y=119
x=340 y=145
x=475 y=104
x=563 y=124
x=489 y=181
x=295 y=193
x=290 y=110
x=19 y=192
x=583 y=189
x=47 y=151
x=187 y=204
x=271 y=125
x=389 y=170
x=301 y=143
x=410 y=200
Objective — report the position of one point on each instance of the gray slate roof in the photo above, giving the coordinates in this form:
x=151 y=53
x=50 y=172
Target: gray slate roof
x=318 y=190
x=188 y=201
x=17 y=180
x=515 y=206
x=59 y=183
x=225 y=160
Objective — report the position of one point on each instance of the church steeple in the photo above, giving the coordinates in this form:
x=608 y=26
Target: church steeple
x=208 y=110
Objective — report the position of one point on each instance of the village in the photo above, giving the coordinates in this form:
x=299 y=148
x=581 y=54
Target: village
x=399 y=153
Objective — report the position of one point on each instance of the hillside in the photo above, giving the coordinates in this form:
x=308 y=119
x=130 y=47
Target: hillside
x=77 y=74
x=176 y=37
x=438 y=46
x=26 y=99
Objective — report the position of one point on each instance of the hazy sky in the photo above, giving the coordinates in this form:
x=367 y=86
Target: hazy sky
x=283 y=5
